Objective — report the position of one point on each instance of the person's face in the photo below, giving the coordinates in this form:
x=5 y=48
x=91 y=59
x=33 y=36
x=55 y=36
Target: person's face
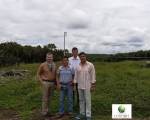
x=82 y=58
x=65 y=61
x=49 y=58
x=75 y=52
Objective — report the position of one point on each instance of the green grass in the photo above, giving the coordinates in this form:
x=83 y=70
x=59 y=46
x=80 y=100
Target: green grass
x=1 y=115
x=117 y=83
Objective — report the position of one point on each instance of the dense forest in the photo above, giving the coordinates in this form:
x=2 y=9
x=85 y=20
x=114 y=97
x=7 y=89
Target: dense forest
x=34 y=54
x=29 y=54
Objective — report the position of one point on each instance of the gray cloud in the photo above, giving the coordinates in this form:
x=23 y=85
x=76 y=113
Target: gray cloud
x=113 y=44
x=136 y=45
x=135 y=40
x=78 y=26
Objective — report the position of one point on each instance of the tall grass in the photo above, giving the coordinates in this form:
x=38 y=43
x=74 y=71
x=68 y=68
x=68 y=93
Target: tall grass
x=122 y=83
x=117 y=83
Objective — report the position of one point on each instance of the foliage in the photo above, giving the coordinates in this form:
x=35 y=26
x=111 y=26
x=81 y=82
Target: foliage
x=10 y=50
x=36 y=54
x=28 y=53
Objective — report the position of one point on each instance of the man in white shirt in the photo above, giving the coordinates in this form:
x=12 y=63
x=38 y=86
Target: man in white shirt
x=85 y=77
x=74 y=61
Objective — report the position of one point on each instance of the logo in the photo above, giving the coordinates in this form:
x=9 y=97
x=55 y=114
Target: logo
x=121 y=111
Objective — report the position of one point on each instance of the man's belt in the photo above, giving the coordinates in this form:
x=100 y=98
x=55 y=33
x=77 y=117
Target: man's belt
x=48 y=80
x=65 y=83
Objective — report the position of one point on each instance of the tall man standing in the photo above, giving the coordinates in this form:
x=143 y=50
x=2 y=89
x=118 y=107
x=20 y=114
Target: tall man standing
x=46 y=76
x=85 y=77
x=74 y=61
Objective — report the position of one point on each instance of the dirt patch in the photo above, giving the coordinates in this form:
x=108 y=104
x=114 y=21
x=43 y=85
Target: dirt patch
x=54 y=117
x=13 y=73
x=11 y=114
x=40 y=117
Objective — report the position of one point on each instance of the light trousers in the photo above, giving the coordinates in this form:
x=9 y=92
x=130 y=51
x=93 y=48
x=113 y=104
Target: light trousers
x=47 y=95
x=85 y=95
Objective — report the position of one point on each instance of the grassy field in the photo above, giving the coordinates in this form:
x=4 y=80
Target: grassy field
x=125 y=82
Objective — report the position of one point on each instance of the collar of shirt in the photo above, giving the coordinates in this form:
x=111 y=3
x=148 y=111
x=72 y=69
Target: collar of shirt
x=65 y=67
x=85 y=63
x=51 y=63
x=75 y=58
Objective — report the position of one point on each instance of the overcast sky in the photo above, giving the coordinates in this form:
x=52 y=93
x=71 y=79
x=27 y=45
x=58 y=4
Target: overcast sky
x=93 y=26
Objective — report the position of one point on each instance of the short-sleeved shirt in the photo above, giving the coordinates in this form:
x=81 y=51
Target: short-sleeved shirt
x=65 y=74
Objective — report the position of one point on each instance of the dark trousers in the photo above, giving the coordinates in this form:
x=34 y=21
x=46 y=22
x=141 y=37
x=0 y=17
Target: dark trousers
x=77 y=95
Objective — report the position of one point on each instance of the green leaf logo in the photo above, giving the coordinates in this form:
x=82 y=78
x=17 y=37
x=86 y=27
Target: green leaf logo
x=121 y=109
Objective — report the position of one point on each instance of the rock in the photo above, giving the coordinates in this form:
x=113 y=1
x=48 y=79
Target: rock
x=13 y=73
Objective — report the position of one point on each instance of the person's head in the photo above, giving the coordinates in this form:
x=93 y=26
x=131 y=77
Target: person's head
x=64 y=60
x=49 y=57
x=74 y=51
x=82 y=56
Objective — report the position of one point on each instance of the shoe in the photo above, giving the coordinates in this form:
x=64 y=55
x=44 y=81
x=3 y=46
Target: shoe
x=88 y=118
x=60 y=115
x=46 y=116
x=50 y=114
x=71 y=115
x=79 y=116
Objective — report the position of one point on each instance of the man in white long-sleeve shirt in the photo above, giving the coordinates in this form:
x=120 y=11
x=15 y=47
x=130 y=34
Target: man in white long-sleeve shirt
x=85 y=77
x=74 y=61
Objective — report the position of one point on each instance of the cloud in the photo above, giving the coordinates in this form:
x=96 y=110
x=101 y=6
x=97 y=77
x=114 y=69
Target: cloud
x=113 y=44
x=135 y=40
x=79 y=20
x=77 y=25
x=93 y=26
x=136 y=45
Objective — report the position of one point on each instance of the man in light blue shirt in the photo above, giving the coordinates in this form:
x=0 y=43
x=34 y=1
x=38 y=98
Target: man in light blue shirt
x=64 y=79
x=74 y=61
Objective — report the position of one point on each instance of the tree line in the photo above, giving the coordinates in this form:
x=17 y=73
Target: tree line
x=36 y=54
x=138 y=55
x=28 y=53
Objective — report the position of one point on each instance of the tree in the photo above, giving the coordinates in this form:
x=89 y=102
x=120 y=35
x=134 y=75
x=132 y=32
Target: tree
x=10 y=50
x=51 y=47
x=29 y=54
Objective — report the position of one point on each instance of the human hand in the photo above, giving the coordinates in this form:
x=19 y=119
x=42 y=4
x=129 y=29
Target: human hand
x=74 y=88
x=42 y=83
x=59 y=87
x=70 y=84
x=92 y=89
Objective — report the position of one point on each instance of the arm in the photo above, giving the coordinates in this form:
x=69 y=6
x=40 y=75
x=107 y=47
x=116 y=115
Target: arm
x=75 y=80
x=39 y=72
x=57 y=80
x=71 y=83
x=72 y=71
x=55 y=76
x=92 y=77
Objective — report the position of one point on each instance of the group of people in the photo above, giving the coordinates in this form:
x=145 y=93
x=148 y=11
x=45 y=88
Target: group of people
x=75 y=75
